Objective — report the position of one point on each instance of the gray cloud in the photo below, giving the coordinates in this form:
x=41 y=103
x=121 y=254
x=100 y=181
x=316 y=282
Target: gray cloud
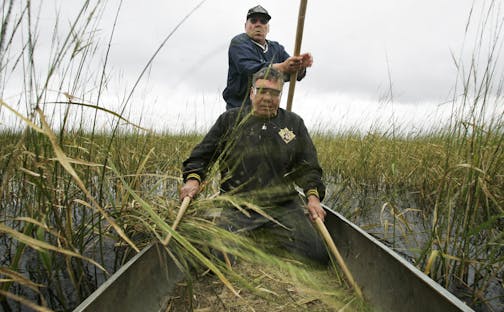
x=357 y=45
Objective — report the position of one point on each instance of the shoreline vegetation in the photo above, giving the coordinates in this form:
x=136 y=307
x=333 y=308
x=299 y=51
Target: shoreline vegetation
x=80 y=196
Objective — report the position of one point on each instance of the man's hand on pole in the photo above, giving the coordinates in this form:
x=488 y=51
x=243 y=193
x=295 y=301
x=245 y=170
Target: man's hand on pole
x=189 y=189
x=315 y=209
x=296 y=63
x=306 y=60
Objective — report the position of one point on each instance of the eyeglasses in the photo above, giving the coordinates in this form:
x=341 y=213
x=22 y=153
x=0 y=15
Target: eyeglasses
x=261 y=20
x=264 y=91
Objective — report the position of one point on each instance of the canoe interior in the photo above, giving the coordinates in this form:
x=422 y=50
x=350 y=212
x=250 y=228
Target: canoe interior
x=389 y=282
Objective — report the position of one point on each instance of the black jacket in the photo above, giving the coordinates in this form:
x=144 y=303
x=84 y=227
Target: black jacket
x=258 y=156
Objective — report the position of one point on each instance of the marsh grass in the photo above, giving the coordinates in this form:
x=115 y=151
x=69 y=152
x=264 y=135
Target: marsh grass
x=457 y=203
x=290 y=287
x=438 y=195
x=77 y=200
x=255 y=254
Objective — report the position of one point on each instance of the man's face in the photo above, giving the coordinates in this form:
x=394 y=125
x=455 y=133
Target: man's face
x=257 y=27
x=265 y=97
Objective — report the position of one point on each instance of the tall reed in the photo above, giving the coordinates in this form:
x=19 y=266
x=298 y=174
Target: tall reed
x=77 y=200
x=440 y=193
x=72 y=191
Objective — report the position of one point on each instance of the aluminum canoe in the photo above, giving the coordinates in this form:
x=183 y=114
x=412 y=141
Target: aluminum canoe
x=388 y=281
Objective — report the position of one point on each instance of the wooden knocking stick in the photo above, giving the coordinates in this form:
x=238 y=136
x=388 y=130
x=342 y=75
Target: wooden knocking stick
x=330 y=243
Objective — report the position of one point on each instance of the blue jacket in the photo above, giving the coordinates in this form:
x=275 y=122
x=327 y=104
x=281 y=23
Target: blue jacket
x=246 y=58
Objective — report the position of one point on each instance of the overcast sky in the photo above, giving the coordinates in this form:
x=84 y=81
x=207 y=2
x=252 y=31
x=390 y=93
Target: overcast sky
x=366 y=53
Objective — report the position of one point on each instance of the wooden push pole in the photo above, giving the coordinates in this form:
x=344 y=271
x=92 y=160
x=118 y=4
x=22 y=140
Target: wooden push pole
x=292 y=85
x=297 y=51
x=183 y=208
x=330 y=243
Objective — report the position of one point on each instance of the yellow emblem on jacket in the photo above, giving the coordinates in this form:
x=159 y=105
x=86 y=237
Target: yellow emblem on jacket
x=286 y=135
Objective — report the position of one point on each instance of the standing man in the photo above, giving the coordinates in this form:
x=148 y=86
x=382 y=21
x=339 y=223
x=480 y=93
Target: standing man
x=263 y=151
x=251 y=51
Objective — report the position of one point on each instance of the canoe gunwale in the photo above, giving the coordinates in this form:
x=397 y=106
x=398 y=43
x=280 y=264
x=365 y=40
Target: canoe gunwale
x=144 y=283
x=388 y=281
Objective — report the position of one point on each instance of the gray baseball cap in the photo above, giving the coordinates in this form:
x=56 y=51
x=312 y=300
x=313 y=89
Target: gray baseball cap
x=258 y=10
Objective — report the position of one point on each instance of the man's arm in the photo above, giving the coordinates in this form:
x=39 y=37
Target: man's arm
x=309 y=173
x=194 y=168
x=243 y=55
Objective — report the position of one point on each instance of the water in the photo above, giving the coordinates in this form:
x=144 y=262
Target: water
x=403 y=227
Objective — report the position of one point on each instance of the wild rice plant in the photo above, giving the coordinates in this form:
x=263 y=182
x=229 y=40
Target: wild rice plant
x=441 y=191
x=76 y=201
x=70 y=195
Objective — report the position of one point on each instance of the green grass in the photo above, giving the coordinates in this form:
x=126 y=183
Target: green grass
x=459 y=193
x=71 y=189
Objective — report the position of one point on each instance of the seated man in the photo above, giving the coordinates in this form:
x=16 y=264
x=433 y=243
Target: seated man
x=263 y=152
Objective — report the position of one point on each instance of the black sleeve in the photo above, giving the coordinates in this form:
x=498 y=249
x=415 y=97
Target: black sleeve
x=207 y=151
x=308 y=171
